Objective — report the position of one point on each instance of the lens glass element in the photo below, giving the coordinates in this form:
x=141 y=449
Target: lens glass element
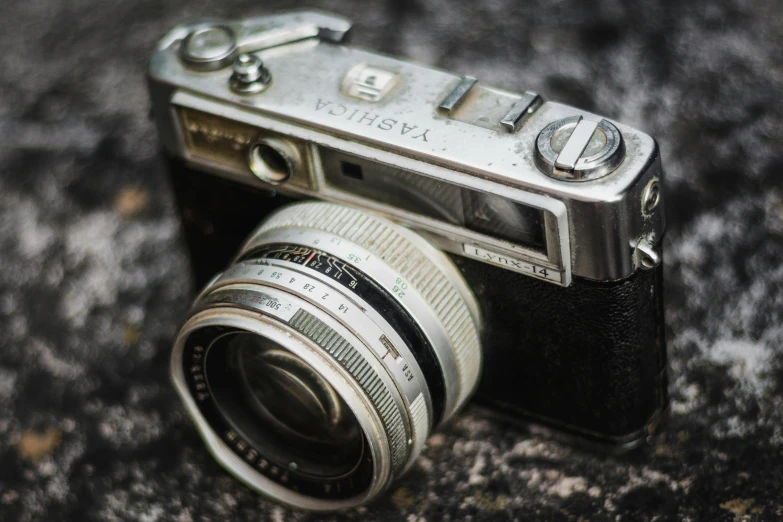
x=282 y=406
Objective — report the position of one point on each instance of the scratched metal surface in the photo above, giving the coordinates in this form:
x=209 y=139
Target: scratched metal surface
x=92 y=282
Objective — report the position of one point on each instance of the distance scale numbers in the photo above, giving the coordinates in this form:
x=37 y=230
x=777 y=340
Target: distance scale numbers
x=332 y=301
x=334 y=249
x=319 y=261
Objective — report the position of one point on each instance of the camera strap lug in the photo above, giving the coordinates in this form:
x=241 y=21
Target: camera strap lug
x=645 y=254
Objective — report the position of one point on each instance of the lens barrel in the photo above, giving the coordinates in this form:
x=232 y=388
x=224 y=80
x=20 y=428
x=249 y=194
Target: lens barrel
x=318 y=363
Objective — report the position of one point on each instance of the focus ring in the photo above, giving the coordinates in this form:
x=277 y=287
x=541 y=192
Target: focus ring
x=398 y=249
x=353 y=361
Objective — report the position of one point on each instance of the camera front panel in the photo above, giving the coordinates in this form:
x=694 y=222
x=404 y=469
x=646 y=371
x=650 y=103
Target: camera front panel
x=600 y=377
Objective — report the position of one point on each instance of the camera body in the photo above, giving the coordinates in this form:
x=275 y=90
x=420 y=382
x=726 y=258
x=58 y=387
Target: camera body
x=553 y=216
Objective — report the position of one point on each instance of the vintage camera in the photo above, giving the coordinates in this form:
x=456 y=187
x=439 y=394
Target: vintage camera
x=389 y=240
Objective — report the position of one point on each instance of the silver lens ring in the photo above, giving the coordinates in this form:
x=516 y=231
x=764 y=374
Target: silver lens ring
x=236 y=454
x=385 y=310
x=434 y=292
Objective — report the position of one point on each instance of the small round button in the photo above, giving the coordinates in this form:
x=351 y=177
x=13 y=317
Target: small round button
x=576 y=149
x=208 y=47
x=250 y=75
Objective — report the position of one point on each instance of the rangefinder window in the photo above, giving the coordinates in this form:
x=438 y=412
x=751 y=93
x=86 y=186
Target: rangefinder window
x=480 y=212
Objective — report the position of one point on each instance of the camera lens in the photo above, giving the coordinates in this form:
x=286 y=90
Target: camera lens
x=318 y=363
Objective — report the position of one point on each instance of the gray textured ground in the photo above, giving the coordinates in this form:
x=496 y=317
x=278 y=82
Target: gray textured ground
x=93 y=270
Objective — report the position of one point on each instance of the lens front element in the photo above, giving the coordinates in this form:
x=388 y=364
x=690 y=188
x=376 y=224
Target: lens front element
x=283 y=406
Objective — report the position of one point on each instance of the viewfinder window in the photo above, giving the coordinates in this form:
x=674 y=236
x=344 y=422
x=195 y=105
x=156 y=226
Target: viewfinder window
x=481 y=212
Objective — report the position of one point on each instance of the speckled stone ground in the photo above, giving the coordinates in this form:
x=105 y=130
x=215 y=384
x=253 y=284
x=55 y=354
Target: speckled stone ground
x=93 y=273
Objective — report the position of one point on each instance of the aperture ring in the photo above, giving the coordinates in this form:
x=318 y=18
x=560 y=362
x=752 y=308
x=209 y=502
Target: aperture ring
x=353 y=361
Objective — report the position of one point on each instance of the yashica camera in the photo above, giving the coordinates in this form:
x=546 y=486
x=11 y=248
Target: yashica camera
x=379 y=241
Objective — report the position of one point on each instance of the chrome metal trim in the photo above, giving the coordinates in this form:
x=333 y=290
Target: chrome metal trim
x=455 y=97
x=445 y=236
x=513 y=120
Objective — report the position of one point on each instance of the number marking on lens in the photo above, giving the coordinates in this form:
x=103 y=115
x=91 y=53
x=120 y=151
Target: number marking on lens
x=321 y=295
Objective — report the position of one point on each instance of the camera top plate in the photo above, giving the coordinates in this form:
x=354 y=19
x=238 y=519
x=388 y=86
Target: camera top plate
x=427 y=120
